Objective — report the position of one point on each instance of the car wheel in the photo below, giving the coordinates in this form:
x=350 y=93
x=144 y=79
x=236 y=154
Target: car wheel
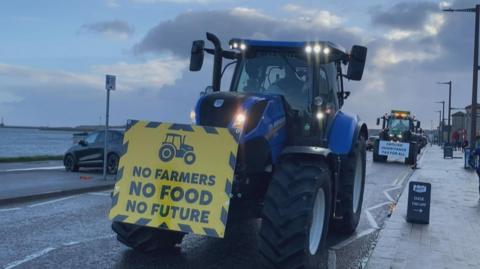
x=112 y=163
x=70 y=164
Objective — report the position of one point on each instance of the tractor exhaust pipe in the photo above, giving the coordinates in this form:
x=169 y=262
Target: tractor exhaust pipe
x=217 y=61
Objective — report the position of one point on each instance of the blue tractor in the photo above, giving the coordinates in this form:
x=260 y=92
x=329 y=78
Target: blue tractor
x=301 y=160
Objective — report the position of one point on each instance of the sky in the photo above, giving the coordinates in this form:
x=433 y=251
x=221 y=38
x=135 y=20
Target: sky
x=54 y=54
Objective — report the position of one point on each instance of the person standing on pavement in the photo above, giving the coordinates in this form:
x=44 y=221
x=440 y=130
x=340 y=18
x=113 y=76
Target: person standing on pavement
x=464 y=145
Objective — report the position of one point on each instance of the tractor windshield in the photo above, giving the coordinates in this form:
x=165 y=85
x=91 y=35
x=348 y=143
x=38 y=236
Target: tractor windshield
x=398 y=126
x=277 y=73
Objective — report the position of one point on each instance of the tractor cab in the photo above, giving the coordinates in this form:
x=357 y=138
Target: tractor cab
x=297 y=85
x=177 y=141
x=398 y=125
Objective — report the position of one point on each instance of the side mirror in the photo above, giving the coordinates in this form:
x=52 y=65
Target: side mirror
x=378 y=121
x=82 y=143
x=418 y=124
x=197 y=55
x=356 y=64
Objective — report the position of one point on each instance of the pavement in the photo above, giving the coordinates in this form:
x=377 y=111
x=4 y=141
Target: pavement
x=29 y=181
x=452 y=239
x=74 y=231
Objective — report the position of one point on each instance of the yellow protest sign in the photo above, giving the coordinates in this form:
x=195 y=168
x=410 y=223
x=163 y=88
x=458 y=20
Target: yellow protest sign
x=175 y=176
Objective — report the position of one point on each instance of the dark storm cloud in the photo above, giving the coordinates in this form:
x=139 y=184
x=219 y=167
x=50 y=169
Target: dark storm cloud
x=405 y=15
x=176 y=35
x=115 y=27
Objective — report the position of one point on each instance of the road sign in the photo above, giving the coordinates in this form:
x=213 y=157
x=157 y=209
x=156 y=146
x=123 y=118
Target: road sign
x=176 y=177
x=110 y=82
x=418 y=210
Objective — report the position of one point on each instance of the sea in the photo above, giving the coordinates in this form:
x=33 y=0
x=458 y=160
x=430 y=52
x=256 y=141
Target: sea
x=20 y=142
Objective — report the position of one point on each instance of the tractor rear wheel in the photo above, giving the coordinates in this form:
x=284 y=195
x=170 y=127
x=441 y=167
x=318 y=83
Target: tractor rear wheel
x=146 y=239
x=167 y=152
x=352 y=180
x=296 y=214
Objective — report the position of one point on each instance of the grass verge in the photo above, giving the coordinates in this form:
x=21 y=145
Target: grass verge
x=31 y=158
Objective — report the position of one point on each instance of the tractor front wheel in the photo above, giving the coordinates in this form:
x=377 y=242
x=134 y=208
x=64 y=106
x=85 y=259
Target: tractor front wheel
x=352 y=178
x=189 y=158
x=146 y=239
x=296 y=214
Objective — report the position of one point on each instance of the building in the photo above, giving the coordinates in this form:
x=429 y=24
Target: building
x=458 y=121
x=468 y=119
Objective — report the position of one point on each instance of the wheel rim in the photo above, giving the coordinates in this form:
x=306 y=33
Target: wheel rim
x=166 y=154
x=189 y=158
x=357 y=184
x=318 y=218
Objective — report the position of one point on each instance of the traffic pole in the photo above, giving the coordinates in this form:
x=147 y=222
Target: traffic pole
x=105 y=151
x=109 y=86
x=473 y=131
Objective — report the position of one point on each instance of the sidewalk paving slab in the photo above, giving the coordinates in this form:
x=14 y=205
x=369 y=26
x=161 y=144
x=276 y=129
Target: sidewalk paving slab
x=452 y=239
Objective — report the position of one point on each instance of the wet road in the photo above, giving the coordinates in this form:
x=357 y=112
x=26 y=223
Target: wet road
x=74 y=232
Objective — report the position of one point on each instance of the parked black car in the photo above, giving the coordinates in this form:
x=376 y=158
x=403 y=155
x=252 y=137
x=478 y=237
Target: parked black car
x=89 y=152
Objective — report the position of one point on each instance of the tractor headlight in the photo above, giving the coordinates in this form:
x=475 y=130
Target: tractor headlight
x=193 y=116
x=391 y=135
x=239 y=121
x=399 y=136
x=320 y=115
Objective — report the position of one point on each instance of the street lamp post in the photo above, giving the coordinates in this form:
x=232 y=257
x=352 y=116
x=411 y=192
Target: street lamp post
x=449 y=107
x=439 y=125
x=473 y=131
x=443 y=116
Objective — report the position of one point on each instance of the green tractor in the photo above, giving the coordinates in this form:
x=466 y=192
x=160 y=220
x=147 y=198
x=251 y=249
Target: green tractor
x=398 y=137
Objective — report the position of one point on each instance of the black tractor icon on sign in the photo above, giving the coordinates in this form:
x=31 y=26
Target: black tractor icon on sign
x=174 y=146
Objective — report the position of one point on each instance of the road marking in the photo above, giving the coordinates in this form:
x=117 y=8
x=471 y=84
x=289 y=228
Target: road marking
x=52 y=201
x=349 y=240
x=379 y=205
x=9 y=209
x=49 y=249
x=388 y=196
x=99 y=193
x=371 y=220
x=33 y=169
x=88 y=240
x=29 y=258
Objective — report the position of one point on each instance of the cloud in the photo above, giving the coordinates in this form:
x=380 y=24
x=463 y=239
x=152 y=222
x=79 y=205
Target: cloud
x=112 y=3
x=115 y=28
x=152 y=74
x=25 y=74
x=404 y=15
x=9 y=98
x=175 y=1
x=176 y=35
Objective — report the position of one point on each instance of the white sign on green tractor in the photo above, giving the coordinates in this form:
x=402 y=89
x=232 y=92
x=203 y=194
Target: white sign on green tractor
x=394 y=149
